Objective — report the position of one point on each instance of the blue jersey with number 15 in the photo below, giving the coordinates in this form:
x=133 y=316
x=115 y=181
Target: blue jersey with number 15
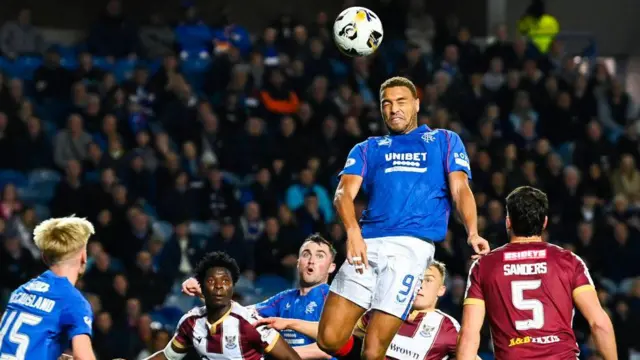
x=42 y=316
x=406 y=178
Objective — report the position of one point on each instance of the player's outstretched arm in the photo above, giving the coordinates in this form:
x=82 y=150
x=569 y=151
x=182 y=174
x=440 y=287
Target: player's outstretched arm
x=308 y=328
x=588 y=304
x=282 y=351
x=469 y=339
x=347 y=190
x=465 y=205
x=81 y=347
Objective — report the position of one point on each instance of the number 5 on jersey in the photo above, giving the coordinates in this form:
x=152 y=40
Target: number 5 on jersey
x=8 y=325
x=535 y=306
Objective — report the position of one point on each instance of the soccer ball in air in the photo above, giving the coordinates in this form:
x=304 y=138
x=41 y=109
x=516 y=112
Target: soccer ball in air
x=357 y=31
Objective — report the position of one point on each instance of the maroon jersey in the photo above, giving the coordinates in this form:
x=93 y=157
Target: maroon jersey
x=527 y=290
x=233 y=337
x=423 y=336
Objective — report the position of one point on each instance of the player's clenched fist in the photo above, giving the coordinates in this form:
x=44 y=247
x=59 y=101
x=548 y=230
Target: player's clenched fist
x=191 y=287
x=357 y=250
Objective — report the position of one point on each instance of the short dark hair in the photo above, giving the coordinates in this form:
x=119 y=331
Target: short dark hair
x=399 y=81
x=217 y=259
x=318 y=239
x=527 y=208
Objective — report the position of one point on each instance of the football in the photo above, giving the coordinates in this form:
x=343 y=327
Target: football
x=357 y=31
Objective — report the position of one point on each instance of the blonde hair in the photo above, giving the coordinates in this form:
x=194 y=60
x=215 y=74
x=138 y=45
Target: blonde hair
x=441 y=267
x=60 y=238
x=399 y=81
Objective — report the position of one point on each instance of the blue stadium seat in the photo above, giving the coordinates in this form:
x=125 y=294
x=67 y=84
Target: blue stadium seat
x=39 y=194
x=24 y=67
x=339 y=69
x=12 y=177
x=268 y=285
x=69 y=62
x=202 y=229
x=150 y=210
x=123 y=69
x=42 y=212
x=36 y=177
x=102 y=63
x=163 y=228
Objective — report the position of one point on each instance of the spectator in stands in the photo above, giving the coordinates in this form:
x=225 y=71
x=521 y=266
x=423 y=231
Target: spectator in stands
x=52 y=81
x=180 y=254
x=157 y=39
x=626 y=179
x=20 y=37
x=86 y=72
x=113 y=36
x=71 y=143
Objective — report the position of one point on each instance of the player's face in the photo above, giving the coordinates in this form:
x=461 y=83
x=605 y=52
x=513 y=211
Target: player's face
x=218 y=287
x=315 y=263
x=399 y=109
x=432 y=288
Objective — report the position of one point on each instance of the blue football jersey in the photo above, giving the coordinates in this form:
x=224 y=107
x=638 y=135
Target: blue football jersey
x=290 y=304
x=42 y=317
x=406 y=179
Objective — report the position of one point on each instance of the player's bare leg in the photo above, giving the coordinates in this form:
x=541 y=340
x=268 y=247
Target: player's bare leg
x=380 y=331
x=337 y=321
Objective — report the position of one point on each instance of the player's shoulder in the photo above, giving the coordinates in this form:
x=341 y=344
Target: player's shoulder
x=321 y=291
x=449 y=321
x=559 y=253
x=244 y=314
x=192 y=315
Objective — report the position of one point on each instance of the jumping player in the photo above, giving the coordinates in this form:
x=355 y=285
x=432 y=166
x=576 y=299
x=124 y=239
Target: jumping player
x=223 y=329
x=46 y=313
x=427 y=333
x=528 y=289
x=411 y=175
x=315 y=262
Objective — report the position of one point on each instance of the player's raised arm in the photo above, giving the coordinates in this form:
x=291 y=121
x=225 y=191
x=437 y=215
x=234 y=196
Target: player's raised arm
x=458 y=171
x=350 y=181
x=587 y=302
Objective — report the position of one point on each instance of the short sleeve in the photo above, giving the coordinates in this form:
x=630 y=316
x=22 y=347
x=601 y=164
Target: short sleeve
x=261 y=338
x=455 y=155
x=356 y=163
x=77 y=318
x=473 y=293
x=182 y=339
x=450 y=334
x=581 y=278
x=269 y=307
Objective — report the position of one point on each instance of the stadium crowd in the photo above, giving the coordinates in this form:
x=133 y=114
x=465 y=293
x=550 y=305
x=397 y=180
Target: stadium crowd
x=179 y=140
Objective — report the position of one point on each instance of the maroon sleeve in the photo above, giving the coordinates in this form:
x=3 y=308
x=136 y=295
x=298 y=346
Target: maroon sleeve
x=473 y=293
x=184 y=332
x=449 y=334
x=581 y=279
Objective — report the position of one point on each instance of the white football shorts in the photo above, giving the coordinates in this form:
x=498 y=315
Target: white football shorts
x=394 y=276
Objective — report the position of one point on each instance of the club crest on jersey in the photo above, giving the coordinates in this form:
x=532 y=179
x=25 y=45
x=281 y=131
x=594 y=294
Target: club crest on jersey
x=429 y=137
x=385 y=141
x=230 y=342
x=427 y=331
x=311 y=307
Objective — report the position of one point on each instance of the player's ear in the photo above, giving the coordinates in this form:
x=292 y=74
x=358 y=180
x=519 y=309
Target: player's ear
x=546 y=219
x=417 y=100
x=332 y=268
x=442 y=290
x=507 y=222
